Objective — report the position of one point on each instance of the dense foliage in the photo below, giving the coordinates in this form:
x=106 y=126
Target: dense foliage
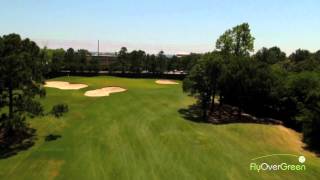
x=74 y=61
x=124 y=62
x=21 y=67
x=266 y=84
x=138 y=61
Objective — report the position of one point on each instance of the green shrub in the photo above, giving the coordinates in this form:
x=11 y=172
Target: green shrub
x=59 y=109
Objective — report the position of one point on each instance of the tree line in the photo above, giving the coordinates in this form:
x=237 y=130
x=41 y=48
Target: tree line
x=134 y=62
x=138 y=61
x=81 y=60
x=265 y=84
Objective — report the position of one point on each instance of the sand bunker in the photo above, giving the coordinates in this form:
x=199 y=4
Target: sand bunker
x=164 y=81
x=64 y=85
x=104 y=91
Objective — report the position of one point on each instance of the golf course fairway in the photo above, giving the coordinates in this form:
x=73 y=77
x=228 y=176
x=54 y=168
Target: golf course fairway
x=141 y=134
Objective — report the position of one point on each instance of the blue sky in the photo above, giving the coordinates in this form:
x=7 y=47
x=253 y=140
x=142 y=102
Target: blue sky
x=154 y=25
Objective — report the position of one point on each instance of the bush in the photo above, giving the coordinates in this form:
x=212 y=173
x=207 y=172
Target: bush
x=59 y=109
x=13 y=130
x=311 y=128
x=305 y=90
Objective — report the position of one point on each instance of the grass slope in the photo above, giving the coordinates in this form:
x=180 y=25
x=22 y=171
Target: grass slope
x=139 y=134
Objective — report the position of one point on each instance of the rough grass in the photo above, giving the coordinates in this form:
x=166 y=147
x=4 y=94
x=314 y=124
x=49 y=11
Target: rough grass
x=139 y=134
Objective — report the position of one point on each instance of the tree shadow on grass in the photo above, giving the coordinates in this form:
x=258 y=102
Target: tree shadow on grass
x=192 y=113
x=314 y=149
x=21 y=141
x=52 y=137
x=223 y=115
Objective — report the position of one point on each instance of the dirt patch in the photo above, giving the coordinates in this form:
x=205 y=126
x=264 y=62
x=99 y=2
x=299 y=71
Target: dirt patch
x=64 y=85
x=55 y=167
x=104 y=91
x=165 y=81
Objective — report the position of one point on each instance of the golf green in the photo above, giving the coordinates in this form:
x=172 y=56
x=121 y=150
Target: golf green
x=140 y=134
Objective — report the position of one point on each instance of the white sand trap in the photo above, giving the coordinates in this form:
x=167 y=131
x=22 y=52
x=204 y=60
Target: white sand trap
x=104 y=91
x=64 y=85
x=165 y=81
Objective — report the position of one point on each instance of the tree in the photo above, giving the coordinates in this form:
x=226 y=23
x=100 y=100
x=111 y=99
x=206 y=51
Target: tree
x=246 y=84
x=94 y=65
x=214 y=69
x=300 y=55
x=71 y=60
x=21 y=80
x=198 y=86
x=153 y=64
x=45 y=57
x=303 y=90
x=270 y=56
x=303 y=60
x=57 y=60
x=82 y=55
x=237 y=41
x=123 y=57
x=311 y=122
x=317 y=56
x=136 y=60
x=161 y=62
x=202 y=82
x=187 y=62
x=146 y=64
x=173 y=63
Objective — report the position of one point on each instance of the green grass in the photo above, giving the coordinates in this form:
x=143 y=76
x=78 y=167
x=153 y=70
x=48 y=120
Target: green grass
x=139 y=134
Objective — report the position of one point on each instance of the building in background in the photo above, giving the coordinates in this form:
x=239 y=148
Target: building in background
x=104 y=59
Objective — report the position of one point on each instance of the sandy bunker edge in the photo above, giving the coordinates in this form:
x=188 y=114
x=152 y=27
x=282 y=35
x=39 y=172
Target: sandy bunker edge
x=106 y=91
x=63 y=85
x=165 y=81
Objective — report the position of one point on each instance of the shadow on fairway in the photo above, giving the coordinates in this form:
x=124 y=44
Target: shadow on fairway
x=315 y=149
x=52 y=137
x=192 y=113
x=12 y=146
x=224 y=115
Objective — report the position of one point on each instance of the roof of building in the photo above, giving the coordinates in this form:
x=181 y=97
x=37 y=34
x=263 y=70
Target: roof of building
x=108 y=54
